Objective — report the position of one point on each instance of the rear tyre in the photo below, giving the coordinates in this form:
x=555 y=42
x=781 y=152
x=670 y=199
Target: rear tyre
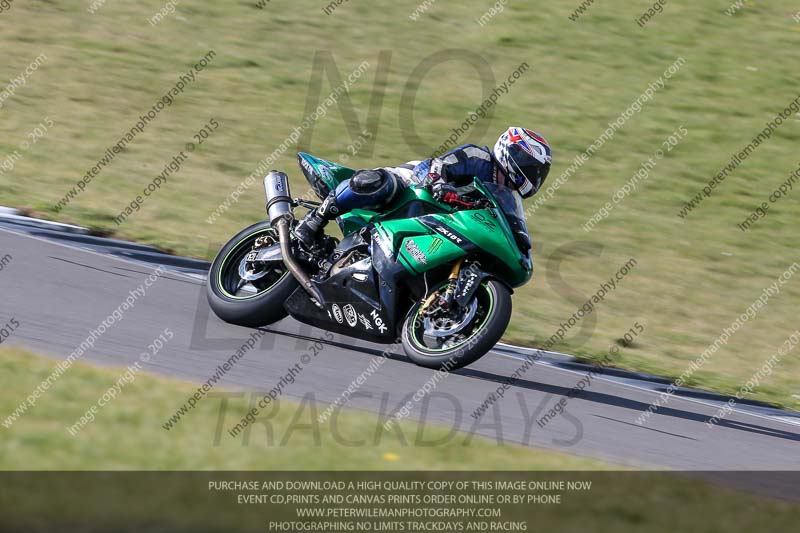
x=245 y=293
x=477 y=329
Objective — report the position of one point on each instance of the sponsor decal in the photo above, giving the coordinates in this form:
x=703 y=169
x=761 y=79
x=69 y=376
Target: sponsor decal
x=384 y=246
x=337 y=313
x=468 y=283
x=481 y=219
x=365 y=321
x=306 y=166
x=350 y=315
x=415 y=252
x=436 y=243
x=376 y=318
x=449 y=234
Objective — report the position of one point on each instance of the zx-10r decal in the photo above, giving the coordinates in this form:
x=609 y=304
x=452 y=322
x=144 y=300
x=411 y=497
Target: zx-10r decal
x=446 y=231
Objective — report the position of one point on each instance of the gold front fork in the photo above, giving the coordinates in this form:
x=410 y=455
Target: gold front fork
x=451 y=288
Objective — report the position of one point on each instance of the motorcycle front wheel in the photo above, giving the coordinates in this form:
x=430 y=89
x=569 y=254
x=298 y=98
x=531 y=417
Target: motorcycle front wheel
x=454 y=338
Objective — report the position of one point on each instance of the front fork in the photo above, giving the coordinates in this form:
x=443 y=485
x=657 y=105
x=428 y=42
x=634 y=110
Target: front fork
x=450 y=291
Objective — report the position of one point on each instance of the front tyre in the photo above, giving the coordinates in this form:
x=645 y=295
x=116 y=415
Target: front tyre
x=452 y=339
x=245 y=293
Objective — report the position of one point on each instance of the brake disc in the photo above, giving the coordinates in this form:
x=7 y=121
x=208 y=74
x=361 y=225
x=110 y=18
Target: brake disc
x=446 y=327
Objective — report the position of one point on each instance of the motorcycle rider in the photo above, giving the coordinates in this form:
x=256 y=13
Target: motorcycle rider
x=520 y=160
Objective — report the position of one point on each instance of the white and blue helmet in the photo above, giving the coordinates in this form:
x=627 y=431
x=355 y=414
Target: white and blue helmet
x=525 y=158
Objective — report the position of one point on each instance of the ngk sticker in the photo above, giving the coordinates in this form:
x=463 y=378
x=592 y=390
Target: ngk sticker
x=378 y=321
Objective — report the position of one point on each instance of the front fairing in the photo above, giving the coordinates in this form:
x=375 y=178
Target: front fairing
x=510 y=212
x=438 y=235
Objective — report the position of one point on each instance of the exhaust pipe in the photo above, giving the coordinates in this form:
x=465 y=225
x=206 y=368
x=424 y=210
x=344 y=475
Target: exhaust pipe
x=279 y=211
x=279 y=203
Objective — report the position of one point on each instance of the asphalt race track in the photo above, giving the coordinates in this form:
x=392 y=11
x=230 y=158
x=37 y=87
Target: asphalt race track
x=59 y=286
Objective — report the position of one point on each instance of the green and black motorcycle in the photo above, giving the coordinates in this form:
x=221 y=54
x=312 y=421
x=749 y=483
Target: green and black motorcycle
x=439 y=276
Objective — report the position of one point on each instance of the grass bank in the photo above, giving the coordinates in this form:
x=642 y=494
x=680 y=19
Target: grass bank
x=695 y=274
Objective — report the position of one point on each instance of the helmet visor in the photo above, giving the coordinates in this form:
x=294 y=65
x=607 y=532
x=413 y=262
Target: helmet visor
x=528 y=170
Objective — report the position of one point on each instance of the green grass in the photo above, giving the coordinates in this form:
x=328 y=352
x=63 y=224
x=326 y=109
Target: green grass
x=695 y=276
x=126 y=435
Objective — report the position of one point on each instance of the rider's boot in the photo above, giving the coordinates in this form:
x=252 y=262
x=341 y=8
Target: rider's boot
x=309 y=229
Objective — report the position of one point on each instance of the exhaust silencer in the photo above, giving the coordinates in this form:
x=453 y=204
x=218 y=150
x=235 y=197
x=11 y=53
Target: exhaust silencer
x=279 y=203
x=279 y=211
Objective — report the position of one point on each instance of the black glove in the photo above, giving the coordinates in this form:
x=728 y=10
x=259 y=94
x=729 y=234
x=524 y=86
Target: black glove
x=441 y=188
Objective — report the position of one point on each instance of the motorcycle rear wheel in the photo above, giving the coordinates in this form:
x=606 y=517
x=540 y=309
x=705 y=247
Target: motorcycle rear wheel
x=483 y=329
x=257 y=299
